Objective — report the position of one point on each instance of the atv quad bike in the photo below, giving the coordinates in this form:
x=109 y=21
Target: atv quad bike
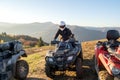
x=66 y=56
x=107 y=57
x=10 y=64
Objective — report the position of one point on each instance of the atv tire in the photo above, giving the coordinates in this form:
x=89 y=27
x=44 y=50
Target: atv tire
x=104 y=75
x=79 y=68
x=22 y=70
x=94 y=68
x=49 y=71
x=81 y=55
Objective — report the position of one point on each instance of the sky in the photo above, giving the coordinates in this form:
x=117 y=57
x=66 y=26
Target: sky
x=95 y=13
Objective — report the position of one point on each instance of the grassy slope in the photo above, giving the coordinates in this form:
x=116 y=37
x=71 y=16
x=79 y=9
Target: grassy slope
x=36 y=62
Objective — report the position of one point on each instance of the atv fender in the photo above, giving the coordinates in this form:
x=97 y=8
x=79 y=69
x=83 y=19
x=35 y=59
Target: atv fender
x=14 y=59
x=101 y=57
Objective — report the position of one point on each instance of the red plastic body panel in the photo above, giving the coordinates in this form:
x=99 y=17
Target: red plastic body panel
x=105 y=59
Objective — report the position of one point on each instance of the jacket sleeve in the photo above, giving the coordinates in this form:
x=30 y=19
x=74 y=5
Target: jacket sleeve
x=57 y=34
x=69 y=32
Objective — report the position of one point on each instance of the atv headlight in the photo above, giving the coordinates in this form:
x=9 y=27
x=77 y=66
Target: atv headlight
x=114 y=70
x=70 y=58
x=50 y=59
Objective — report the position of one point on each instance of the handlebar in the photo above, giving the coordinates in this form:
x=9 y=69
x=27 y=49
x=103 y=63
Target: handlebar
x=55 y=42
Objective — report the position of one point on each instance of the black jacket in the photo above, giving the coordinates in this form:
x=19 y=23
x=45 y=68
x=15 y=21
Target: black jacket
x=66 y=33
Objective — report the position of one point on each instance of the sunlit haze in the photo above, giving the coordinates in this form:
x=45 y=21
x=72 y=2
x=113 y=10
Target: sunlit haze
x=98 y=13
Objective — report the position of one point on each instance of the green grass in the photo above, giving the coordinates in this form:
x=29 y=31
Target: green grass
x=36 y=62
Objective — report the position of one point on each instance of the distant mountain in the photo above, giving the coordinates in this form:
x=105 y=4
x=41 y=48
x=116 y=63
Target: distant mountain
x=47 y=30
x=103 y=29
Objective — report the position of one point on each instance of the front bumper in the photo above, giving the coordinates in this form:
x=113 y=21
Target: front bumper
x=60 y=65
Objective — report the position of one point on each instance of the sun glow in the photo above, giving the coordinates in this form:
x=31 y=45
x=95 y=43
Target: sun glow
x=12 y=16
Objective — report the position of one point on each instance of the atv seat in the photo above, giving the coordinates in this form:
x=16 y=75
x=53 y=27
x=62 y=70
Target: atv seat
x=9 y=48
x=13 y=46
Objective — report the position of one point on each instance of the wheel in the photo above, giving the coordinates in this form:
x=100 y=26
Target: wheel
x=49 y=71
x=94 y=63
x=101 y=72
x=96 y=71
x=104 y=75
x=81 y=55
x=79 y=68
x=22 y=70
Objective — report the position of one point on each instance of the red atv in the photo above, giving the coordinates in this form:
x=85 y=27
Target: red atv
x=107 y=57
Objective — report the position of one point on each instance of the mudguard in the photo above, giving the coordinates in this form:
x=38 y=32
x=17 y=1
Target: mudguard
x=14 y=59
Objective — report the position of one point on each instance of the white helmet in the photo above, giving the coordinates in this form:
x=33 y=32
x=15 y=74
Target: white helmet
x=62 y=23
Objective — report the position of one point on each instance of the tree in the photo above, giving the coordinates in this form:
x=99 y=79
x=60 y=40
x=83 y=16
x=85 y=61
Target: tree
x=40 y=42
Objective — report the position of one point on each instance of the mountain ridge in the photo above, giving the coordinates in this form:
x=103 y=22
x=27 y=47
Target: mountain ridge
x=47 y=30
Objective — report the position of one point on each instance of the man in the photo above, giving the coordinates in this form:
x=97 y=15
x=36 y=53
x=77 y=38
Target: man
x=63 y=31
